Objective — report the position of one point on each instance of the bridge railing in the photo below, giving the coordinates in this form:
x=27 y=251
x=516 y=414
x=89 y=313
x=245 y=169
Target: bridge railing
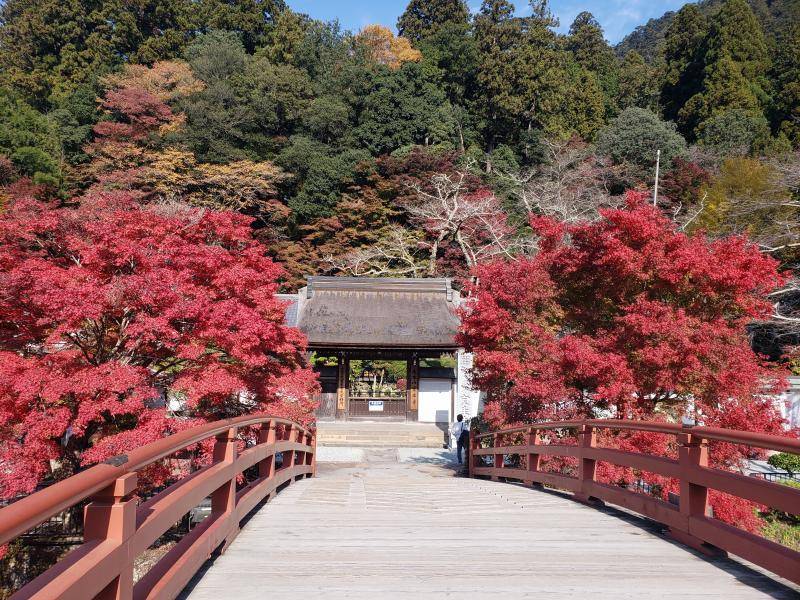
x=689 y=521
x=118 y=528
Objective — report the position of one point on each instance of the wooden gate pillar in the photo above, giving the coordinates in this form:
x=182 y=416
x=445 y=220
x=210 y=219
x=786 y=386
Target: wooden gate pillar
x=412 y=409
x=342 y=386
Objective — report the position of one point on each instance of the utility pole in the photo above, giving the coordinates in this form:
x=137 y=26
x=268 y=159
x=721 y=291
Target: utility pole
x=655 y=189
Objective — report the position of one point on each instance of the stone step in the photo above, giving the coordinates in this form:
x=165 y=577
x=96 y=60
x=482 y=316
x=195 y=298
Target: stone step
x=379 y=437
x=376 y=435
x=380 y=444
x=392 y=434
x=383 y=441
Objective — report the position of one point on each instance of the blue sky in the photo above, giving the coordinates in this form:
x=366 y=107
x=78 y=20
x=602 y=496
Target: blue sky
x=618 y=17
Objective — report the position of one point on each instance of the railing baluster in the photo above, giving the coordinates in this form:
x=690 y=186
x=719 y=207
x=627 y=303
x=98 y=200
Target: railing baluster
x=534 y=459
x=311 y=453
x=300 y=457
x=693 y=500
x=111 y=515
x=498 y=458
x=587 y=467
x=223 y=499
x=266 y=435
x=692 y=453
x=288 y=456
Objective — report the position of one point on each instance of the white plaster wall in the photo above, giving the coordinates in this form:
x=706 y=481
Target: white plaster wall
x=435 y=396
x=789 y=403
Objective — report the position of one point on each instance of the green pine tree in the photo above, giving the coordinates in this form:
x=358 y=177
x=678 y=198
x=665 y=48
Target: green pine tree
x=498 y=34
x=786 y=75
x=735 y=67
x=683 y=60
x=592 y=52
x=638 y=85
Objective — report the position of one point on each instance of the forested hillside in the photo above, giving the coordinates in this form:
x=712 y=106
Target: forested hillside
x=417 y=153
x=775 y=16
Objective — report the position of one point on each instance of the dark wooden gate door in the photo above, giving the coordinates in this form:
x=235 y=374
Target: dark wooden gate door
x=391 y=408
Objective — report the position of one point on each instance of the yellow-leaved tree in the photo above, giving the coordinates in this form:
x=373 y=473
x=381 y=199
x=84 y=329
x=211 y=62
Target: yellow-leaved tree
x=385 y=48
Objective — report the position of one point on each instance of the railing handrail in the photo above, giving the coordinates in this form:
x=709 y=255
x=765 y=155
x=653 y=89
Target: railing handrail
x=28 y=512
x=688 y=521
x=117 y=527
x=733 y=436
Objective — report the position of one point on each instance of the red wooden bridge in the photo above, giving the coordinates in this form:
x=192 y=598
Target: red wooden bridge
x=383 y=530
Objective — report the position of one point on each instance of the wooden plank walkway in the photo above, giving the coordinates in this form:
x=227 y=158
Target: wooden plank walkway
x=387 y=529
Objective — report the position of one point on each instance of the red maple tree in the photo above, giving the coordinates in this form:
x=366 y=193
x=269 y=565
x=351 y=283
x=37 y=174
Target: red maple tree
x=626 y=317
x=109 y=309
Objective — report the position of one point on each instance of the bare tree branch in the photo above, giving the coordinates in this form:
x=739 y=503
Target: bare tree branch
x=572 y=185
x=397 y=254
x=450 y=208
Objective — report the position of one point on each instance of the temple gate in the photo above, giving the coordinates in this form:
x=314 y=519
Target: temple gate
x=385 y=348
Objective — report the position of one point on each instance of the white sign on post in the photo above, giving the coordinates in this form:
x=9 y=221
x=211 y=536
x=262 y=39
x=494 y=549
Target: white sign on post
x=376 y=406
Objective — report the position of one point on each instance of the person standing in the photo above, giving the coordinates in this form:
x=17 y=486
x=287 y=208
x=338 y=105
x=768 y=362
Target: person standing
x=460 y=431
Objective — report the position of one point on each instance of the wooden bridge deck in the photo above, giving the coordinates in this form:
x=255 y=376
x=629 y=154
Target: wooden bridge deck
x=386 y=528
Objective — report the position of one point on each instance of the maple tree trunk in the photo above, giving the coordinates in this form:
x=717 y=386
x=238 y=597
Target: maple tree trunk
x=465 y=250
x=434 y=254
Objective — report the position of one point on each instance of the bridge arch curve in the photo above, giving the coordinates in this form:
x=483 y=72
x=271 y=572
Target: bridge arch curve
x=117 y=528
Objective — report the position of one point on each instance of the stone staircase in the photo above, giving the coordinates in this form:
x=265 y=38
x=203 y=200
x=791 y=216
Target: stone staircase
x=376 y=434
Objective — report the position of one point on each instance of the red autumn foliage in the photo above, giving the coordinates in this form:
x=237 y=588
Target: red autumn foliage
x=683 y=183
x=7 y=170
x=109 y=307
x=626 y=317
x=137 y=113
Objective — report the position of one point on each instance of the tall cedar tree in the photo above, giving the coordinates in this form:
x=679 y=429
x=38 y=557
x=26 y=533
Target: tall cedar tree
x=590 y=49
x=735 y=66
x=498 y=33
x=683 y=60
x=544 y=76
x=786 y=74
x=638 y=83
x=423 y=18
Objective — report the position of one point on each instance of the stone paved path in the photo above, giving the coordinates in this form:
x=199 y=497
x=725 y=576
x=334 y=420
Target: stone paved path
x=400 y=524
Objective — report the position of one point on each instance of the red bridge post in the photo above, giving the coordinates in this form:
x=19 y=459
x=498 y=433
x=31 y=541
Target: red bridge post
x=587 y=467
x=498 y=458
x=693 y=501
x=223 y=499
x=471 y=457
x=111 y=515
x=288 y=456
x=266 y=467
x=534 y=460
x=312 y=458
